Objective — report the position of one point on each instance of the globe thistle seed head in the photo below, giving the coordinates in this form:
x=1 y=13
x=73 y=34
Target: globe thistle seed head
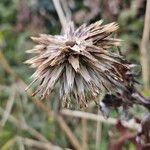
x=79 y=62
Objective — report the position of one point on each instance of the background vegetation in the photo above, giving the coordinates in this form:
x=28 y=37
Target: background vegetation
x=27 y=123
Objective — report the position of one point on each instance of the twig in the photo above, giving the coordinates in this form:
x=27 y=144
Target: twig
x=68 y=132
x=6 y=65
x=84 y=134
x=60 y=13
x=94 y=117
x=143 y=47
x=98 y=133
x=20 y=143
x=38 y=144
x=31 y=143
x=99 y=125
x=9 y=106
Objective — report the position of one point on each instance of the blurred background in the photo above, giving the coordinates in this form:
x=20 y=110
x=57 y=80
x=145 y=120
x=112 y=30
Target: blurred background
x=29 y=124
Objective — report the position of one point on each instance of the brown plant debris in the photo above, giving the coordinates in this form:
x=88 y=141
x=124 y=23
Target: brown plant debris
x=80 y=63
x=120 y=135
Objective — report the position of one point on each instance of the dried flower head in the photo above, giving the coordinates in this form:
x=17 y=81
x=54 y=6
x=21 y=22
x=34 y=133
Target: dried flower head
x=80 y=62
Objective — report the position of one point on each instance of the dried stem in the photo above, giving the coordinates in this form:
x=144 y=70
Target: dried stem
x=38 y=144
x=60 y=13
x=66 y=9
x=84 y=134
x=143 y=47
x=21 y=145
x=94 y=117
x=9 y=106
x=98 y=133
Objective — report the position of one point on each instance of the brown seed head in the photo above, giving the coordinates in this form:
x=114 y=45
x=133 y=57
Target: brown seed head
x=79 y=62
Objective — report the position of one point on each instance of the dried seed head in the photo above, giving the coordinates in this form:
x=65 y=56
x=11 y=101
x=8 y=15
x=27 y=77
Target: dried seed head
x=79 y=61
